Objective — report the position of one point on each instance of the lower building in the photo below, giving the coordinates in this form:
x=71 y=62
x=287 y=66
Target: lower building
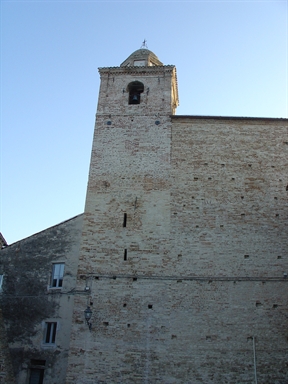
x=37 y=296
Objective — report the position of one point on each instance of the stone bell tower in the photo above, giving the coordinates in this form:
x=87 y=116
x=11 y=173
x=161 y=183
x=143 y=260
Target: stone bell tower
x=126 y=221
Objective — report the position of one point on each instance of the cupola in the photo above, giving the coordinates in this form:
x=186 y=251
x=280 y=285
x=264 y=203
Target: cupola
x=142 y=58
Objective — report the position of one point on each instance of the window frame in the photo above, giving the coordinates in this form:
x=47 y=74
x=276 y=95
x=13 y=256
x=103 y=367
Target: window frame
x=40 y=372
x=57 y=276
x=49 y=336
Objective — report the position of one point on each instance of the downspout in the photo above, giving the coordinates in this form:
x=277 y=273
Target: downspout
x=254 y=353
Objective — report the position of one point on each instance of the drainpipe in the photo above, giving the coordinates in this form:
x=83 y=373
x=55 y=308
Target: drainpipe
x=254 y=353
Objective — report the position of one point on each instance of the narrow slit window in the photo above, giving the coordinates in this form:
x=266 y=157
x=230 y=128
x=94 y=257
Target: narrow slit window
x=125 y=254
x=125 y=220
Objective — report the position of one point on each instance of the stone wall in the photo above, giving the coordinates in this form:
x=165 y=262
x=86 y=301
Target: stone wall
x=6 y=372
x=229 y=200
x=28 y=301
x=206 y=242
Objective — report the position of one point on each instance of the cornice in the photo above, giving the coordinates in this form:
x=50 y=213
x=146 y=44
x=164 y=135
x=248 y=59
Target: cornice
x=235 y=118
x=136 y=70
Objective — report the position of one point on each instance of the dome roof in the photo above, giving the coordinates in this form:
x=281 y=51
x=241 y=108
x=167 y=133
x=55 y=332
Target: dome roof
x=142 y=57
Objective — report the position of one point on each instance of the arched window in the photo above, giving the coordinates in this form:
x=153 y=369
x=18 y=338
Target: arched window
x=135 y=89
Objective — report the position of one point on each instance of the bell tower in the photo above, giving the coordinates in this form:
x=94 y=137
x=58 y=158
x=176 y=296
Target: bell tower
x=127 y=212
x=130 y=165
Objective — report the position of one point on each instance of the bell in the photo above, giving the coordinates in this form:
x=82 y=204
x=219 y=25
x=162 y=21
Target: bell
x=135 y=98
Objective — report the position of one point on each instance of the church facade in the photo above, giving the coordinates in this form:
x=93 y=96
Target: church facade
x=180 y=258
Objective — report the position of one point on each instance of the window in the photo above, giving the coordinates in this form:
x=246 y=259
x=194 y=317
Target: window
x=36 y=376
x=135 y=89
x=57 y=275
x=50 y=332
x=37 y=371
x=139 y=63
x=1 y=282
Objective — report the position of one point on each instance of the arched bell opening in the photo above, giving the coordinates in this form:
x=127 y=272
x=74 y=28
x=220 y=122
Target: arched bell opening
x=135 y=89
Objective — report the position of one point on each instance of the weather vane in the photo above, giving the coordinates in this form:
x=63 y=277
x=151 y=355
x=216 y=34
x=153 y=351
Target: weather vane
x=144 y=44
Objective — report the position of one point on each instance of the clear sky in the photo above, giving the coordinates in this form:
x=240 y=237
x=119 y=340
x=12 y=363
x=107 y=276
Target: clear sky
x=231 y=59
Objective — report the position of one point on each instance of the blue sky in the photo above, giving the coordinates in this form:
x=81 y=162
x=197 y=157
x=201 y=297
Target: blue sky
x=231 y=59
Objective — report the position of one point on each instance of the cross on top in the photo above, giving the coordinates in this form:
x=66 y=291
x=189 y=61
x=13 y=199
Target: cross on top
x=144 y=44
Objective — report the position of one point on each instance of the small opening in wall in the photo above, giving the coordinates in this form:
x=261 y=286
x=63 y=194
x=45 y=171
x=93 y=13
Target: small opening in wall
x=287 y=188
x=277 y=215
x=114 y=277
x=276 y=198
x=150 y=306
x=279 y=257
x=233 y=178
x=125 y=220
x=258 y=304
x=134 y=278
x=250 y=165
x=125 y=254
x=275 y=305
x=242 y=197
x=128 y=325
x=135 y=89
x=106 y=323
x=246 y=256
x=124 y=305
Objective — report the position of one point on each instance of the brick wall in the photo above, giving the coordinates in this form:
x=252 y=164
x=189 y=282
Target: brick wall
x=205 y=240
